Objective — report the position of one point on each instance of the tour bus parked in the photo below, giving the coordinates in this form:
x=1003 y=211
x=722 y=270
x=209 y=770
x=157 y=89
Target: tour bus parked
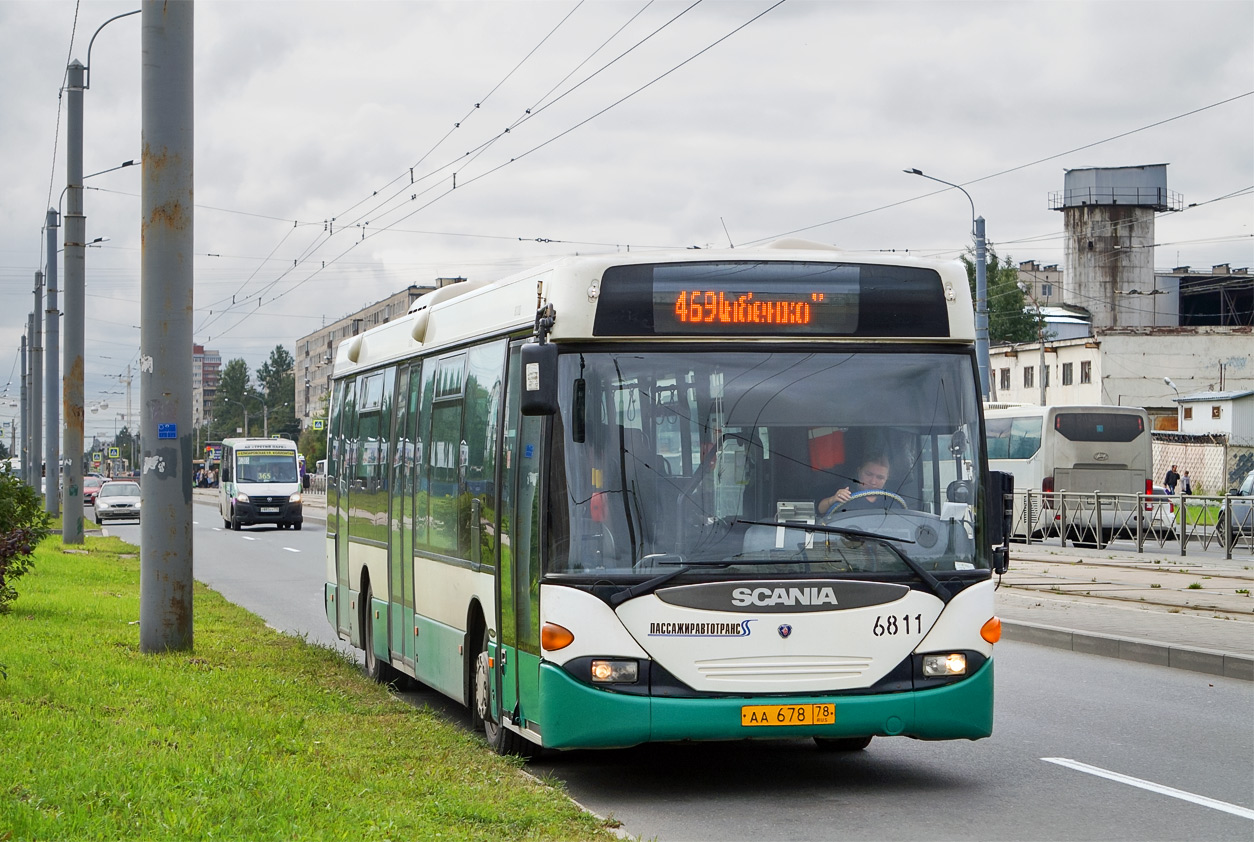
x=683 y=495
x=1085 y=454
x=259 y=483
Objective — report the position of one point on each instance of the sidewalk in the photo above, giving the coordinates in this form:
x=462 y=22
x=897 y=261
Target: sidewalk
x=1188 y=612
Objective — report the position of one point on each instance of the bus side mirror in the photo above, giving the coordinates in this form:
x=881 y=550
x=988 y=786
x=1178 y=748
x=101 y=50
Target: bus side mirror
x=999 y=504
x=539 y=379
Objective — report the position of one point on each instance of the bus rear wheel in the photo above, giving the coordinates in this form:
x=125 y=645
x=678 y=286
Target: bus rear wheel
x=378 y=670
x=842 y=743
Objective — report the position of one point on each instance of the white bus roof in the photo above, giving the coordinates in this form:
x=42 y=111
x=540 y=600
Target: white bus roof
x=462 y=311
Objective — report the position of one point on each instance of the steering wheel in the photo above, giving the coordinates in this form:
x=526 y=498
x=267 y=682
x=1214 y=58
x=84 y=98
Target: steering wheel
x=873 y=492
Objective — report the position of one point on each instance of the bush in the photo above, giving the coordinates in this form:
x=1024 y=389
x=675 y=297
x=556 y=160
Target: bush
x=23 y=524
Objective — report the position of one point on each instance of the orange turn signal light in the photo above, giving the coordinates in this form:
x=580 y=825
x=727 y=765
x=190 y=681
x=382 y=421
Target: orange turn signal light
x=554 y=637
x=991 y=631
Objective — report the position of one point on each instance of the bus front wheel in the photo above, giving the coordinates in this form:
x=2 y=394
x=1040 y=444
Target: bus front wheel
x=501 y=739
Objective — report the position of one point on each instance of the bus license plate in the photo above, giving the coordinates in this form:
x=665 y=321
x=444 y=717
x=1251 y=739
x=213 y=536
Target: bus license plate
x=269 y=510
x=820 y=714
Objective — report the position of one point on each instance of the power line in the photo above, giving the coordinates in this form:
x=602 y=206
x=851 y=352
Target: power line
x=365 y=234
x=1007 y=171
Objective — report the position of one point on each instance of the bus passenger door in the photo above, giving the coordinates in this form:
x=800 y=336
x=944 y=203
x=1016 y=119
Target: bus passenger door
x=344 y=456
x=518 y=623
x=401 y=545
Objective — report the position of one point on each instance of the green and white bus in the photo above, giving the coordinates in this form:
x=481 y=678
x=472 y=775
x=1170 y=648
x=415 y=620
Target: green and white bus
x=584 y=500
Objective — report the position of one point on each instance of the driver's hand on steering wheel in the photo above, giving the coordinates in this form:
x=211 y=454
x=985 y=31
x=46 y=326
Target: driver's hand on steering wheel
x=841 y=496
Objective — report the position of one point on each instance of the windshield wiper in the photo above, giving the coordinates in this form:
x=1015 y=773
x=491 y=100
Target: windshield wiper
x=832 y=530
x=648 y=586
x=942 y=593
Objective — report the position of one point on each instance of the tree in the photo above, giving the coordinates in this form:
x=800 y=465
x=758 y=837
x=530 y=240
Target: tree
x=1010 y=319
x=313 y=443
x=233 y=394
x=277 y=378
x=272 y=373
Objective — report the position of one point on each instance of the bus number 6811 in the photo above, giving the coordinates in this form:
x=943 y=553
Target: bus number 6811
x=891 y=625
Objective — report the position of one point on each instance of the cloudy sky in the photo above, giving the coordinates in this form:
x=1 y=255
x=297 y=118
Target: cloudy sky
x=630 y=125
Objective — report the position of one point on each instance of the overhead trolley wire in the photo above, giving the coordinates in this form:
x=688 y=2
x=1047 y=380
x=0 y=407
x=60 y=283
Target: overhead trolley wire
x=368 y=234
x=1119 y=136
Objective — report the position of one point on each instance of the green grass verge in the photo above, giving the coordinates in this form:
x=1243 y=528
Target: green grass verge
x=253 y=735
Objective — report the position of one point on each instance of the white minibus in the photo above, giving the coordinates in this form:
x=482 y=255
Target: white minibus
x=259 y=483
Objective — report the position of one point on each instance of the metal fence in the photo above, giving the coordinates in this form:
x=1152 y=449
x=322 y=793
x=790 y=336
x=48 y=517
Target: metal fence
x=1150 y=521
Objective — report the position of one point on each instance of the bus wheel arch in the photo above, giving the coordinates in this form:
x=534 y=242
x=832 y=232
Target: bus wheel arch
x=474 y=645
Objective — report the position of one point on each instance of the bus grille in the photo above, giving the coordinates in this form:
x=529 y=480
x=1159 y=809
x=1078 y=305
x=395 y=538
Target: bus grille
x=783 y=668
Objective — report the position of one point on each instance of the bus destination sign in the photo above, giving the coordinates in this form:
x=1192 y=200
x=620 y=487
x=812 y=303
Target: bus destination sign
x=770 y=298
x=748 y=310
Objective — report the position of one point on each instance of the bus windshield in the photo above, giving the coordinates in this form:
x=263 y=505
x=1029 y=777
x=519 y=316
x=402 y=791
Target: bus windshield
x=266 y=466
x=764 y=463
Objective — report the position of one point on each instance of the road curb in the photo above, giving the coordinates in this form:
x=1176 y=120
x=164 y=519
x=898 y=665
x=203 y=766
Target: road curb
x=1207 y=661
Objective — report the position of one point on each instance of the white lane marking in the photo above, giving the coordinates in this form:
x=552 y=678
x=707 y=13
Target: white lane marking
x=291 y=549
x=248 y=538
x=1153 y=787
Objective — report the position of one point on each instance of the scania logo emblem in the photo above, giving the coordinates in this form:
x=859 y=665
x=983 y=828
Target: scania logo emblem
x=785 y=630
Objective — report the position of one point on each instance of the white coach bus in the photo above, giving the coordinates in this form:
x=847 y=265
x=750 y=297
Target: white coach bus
x=1080 y=456
x=585 y=500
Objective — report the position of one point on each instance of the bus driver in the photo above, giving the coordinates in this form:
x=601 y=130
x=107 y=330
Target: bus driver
x=872 y=475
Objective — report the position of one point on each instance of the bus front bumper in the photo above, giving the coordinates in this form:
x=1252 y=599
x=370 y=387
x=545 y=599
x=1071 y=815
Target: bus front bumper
x=251 y=513
x=575 y=715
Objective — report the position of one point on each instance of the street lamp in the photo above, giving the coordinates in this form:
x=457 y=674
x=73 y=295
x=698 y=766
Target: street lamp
x=265 y=416
x=242 y=406
x=78 y=80
x=981 y=281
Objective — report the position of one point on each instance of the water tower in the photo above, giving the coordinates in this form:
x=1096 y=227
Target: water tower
x=1108 y=223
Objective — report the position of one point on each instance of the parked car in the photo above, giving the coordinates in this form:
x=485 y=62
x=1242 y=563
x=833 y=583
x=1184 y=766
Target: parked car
x=1242 y=525
x=1160 y=514
x=117 y=500
x=91 y=487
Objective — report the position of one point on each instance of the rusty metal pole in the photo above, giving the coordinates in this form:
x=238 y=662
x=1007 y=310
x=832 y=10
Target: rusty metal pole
x=52 y=374
x=25 y=414
x=37 y=384
x=75 y=304
x=165 y=375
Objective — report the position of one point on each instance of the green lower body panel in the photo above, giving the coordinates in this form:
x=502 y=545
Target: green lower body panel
x=574 y=715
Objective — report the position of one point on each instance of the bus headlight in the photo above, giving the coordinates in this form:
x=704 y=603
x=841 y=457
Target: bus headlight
x=605 y=671
x=944 y=665
x=241 y=497
x=295 y=498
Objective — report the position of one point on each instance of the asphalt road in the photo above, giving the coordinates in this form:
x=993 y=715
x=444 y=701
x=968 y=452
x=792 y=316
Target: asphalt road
x=1083 y=748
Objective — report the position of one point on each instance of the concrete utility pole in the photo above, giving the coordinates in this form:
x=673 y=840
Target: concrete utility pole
x=75 y=303
x=165 y=369
x=52 y=367
x=36 y=381
x=23 y=416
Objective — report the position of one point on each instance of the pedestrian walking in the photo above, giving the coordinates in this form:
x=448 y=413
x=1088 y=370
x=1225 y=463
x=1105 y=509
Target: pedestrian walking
x=1186 y=487
x=1171 y=480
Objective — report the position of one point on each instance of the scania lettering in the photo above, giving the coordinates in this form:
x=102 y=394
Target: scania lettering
x=783 y=596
